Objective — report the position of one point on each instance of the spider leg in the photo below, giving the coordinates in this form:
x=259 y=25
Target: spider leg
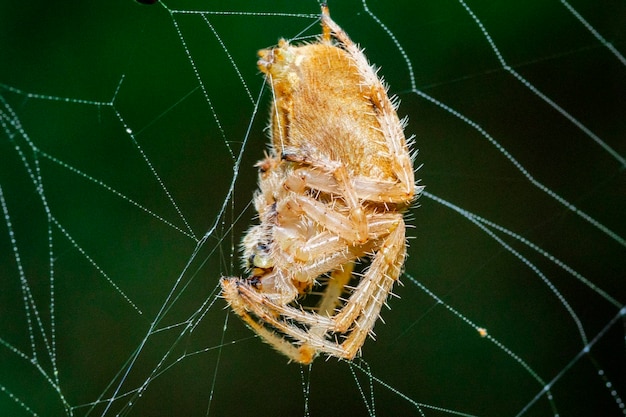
x=355 y=224
x=335 y=287
x=305 y=355
x=365 y=302
x=369 y=189
x=316 y=247
x=242 y=299
x=386 y=191
x=324 y=215
x=337 y=228
x=331 y=298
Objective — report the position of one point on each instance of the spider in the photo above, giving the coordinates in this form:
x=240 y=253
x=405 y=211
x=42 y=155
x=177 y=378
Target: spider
x=332 y=191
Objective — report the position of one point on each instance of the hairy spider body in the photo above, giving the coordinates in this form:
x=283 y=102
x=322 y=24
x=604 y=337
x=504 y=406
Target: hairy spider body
x=331 y=192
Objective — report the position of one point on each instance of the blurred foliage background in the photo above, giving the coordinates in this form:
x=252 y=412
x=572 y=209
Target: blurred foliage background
x=120 y=91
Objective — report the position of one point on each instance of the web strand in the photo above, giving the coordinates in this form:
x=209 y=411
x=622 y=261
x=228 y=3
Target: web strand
x=127 y=178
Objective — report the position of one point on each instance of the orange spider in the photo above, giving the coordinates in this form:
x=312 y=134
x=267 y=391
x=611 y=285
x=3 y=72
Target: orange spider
x=331 y=193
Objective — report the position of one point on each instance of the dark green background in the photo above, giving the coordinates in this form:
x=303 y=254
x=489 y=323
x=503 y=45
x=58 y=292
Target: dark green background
x=82 y=50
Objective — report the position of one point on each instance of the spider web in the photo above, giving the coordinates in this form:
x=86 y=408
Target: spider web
x=129 y=135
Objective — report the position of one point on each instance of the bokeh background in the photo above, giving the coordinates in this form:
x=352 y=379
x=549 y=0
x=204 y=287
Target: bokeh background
x=79 y=76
